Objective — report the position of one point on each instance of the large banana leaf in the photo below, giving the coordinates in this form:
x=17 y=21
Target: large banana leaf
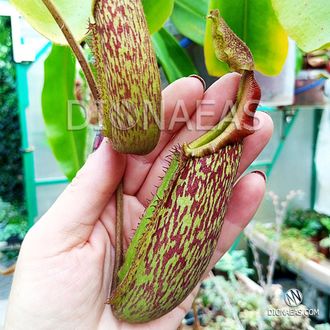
x=189 y=17
x=75 y=13
x=157 y=13
x=307 y=22
x=175 y=61
x=255 y=23
x=67 y=145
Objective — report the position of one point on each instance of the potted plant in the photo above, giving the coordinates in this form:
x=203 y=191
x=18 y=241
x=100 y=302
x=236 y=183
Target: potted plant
x=313 y=226
x=226 y=302
x=13 y=227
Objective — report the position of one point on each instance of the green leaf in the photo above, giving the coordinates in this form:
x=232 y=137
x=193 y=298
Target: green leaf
x=307 y=22
x=256 y=24
x=157 y=13
x=75 y=13
x=189 y=17
x=67 y=145
x=175 y=61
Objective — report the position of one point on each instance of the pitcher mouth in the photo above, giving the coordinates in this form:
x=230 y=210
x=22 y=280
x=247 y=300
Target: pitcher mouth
x=235 y=126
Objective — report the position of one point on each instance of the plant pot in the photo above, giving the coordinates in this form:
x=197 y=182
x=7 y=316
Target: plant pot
x=14 y=240
x=315 y=240
x=279 y=91
x=324 y=251
x=310 y=92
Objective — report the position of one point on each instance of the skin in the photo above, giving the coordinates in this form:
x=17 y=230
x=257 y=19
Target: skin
x=65 y=266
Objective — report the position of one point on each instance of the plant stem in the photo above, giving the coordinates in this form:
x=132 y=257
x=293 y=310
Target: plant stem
x=197 y=325
x=119 y=236
x=75 y=48
x=229 y=305
x=257 y=264
x=9 y=271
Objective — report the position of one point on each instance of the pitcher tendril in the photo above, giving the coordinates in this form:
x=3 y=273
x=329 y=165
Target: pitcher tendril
x=75 y=48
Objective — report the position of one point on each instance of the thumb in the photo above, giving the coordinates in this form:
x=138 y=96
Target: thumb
x=70 y=221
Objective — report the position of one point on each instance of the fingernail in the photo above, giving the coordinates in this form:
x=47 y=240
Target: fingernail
x=200 y=79
x=261 y=173
x=97 y=141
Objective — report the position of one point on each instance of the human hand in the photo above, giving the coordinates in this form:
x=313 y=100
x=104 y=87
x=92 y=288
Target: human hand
x=64 y=270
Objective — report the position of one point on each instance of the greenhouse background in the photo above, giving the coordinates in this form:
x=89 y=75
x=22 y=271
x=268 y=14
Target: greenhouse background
x=296 y=163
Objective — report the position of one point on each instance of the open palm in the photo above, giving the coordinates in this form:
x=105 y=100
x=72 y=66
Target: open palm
x=64 y=271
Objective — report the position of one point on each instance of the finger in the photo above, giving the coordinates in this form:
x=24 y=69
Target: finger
x=216 y=102
x=133 y=212
x=255 y=143
x=73 y=216
x=179 y=104
x=246 y=199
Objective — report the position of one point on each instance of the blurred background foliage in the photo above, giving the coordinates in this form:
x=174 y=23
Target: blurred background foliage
x=13 y=220
x=11 y=187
